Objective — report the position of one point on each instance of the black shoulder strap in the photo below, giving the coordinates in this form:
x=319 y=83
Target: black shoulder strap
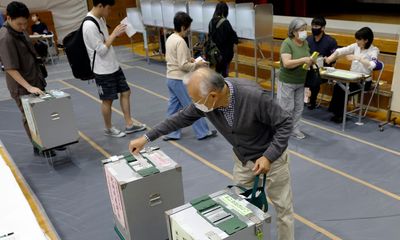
x=23 y=38
x=219 y=23
x=89 y=18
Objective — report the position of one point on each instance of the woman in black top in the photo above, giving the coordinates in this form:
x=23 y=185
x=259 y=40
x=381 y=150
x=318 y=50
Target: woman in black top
x=39 y=27
x=223 y=36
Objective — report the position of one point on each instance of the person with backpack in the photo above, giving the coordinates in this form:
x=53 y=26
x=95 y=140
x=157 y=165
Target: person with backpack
x=222 y=34
x=179 y=64
x=110 y=79
x=21 y=61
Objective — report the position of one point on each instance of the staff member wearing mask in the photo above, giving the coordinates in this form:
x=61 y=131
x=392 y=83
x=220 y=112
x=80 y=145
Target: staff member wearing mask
x=257 y=128
x=325 y=45
x=364 y=59
x=294 y=53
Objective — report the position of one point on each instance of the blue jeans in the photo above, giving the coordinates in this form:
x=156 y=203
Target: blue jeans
x=178 y=99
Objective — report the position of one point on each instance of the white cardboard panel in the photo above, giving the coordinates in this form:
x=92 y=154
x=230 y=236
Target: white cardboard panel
x=208 y=11
x=145 y=6
x=196 y=13
x=168 y=13
x=156 y=12
x=232 y=14
x=135 y=19
x=245 y=23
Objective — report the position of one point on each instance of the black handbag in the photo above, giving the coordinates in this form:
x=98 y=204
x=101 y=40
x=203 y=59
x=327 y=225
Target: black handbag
x=42 y=67
x=256 y=195
x=313 y=78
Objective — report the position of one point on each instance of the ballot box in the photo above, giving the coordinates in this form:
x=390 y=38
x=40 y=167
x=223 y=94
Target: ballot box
x=141 y=188
x=221 y=215
x=51 y=119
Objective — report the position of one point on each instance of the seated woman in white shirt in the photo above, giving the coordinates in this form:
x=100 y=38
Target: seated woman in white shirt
x=364 y=59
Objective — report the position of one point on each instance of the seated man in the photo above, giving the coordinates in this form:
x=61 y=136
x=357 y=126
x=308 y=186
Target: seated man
x=364 y=59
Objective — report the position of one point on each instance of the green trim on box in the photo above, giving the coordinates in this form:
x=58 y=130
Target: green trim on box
x=118 y=233
x=127 y=154
x=232 y=225
x=130 y=158
x=229 y=226
x=36 y=145
x=144 y=172
x=148 y=171
x=203 y=203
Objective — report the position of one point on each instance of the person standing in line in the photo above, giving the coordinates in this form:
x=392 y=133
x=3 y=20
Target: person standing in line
x=109 y=77
x=294 y=54
x=221 y=32
x=179 y=64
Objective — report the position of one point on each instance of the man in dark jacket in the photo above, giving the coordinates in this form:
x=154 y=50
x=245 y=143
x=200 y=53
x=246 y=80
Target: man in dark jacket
x=325 y=45
x=256 y=127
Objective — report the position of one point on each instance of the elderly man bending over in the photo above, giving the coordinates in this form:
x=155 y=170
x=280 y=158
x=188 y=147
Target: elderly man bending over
x=256 y=126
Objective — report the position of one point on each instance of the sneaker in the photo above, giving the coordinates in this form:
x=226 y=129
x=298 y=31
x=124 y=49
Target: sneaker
x=114 y=132
x=135 y=128
x=210 y=134
x=298 y=134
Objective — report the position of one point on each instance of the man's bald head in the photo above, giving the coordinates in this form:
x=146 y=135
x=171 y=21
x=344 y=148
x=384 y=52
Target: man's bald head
x=204 y=80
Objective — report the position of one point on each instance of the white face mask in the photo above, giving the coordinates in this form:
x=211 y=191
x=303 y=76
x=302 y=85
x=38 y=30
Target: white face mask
x=303 y=35
x=202 y=107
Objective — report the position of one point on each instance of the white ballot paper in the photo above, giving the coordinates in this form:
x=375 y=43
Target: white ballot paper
x=199 y=58
x=130 y=31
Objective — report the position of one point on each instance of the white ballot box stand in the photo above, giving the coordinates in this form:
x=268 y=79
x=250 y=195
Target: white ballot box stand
x=141 y=188
x=221 y=215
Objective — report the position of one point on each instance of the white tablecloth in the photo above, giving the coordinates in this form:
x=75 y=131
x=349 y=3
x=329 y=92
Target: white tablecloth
x=16 y=216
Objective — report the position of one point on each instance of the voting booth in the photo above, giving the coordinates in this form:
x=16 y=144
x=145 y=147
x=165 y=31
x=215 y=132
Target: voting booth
x=208 y=11
x=255 y=23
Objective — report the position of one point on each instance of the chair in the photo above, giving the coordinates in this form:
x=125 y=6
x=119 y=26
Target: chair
x=380 y=66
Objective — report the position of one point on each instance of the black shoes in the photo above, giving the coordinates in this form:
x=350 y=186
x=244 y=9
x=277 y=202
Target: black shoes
x=337 y=119
x=311 y=106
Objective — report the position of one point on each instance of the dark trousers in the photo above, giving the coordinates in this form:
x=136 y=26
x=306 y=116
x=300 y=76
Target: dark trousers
x=337 y=102
x=223 y=67
x=24 y=121
x=314 y=89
